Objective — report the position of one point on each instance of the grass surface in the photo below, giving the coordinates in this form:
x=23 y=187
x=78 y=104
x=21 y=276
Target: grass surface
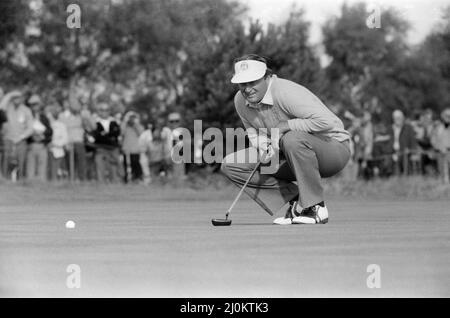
x=215 y=186
x=158 y=241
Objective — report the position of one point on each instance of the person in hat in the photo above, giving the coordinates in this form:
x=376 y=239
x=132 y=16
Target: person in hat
x=17 y=129
x=59 y=142
x=37 y=155
x=312 y=143
x=131 y=129
x=403 y=142
x=106 y=135
x=78 y=120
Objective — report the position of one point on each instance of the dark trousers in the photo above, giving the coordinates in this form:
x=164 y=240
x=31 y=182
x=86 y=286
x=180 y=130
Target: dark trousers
x=305 y=158
x=37 y=161
x=107 y=164
x=132 y=167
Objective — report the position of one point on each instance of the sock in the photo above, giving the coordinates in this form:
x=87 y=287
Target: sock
x=298 y=208
x=293 y=200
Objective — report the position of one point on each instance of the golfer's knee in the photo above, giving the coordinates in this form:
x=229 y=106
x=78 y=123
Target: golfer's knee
x=225 y=166
x=229 y=165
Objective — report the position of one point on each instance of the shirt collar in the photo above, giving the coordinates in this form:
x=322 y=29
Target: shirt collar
x=267 y=99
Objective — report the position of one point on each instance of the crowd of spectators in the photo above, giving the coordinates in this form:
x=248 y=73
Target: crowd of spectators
x=48 y=140
x=52 y=140
x=404 y=146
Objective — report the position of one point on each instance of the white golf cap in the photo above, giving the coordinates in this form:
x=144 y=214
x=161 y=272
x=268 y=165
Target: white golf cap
x=248 y=71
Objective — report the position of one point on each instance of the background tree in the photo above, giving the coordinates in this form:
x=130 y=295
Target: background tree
x=163 y=55
x=209 y=94
x=433 y=56
x=363 y=59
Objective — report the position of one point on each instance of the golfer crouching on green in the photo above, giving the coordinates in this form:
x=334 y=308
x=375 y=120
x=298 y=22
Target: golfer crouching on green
x=313 y=143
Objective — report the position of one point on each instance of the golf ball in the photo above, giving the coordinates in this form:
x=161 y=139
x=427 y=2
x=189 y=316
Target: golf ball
x=70 y=224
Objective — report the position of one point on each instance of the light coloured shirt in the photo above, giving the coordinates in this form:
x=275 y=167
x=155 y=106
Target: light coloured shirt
x=60 y=138
x=396 y=129
x=130 y=141
x=156 y=151
x=19 y=125
x=145 y=140
x=291 y=102
x=167 y=141
x=441 y=139
x=74 y=126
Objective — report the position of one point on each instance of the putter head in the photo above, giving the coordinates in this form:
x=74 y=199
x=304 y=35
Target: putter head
x=221 y=222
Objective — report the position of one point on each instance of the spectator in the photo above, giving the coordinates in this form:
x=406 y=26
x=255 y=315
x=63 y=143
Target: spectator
x=131 y=130
x=37 y=157
x=441 y=142
x=60 y=140
x=106 y=135
x=403 y=142
x=18 y=128
x=167 y=136
x=364 y=146
x=3 y=120
x=145 y=144
x=352 y=124
x=424 y=129
x=156 y=153
x=171 y=136
x=382 y=151
x=77 y=121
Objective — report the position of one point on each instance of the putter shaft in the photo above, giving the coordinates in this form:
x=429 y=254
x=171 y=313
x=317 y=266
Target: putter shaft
x=242 y=189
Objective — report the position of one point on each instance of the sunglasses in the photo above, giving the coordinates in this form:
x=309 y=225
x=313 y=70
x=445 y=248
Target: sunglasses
x=174 y=121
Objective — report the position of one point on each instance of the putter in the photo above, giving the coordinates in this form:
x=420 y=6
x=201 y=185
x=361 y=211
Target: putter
x=226 y=221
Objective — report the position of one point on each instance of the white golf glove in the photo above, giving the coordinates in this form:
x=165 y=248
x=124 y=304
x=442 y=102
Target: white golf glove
x=266 y=149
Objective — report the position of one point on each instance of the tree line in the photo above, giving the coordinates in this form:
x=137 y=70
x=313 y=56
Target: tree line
x=160 y=56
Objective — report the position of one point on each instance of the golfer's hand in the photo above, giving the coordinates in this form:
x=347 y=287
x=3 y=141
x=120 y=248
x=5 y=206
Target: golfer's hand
x=265 y=154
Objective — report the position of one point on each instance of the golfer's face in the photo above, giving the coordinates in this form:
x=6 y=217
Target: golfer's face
x=254 y=91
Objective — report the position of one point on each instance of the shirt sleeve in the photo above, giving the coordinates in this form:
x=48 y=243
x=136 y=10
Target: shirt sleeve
x=310 y=114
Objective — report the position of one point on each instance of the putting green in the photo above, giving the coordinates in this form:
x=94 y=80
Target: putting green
x=144 y=244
